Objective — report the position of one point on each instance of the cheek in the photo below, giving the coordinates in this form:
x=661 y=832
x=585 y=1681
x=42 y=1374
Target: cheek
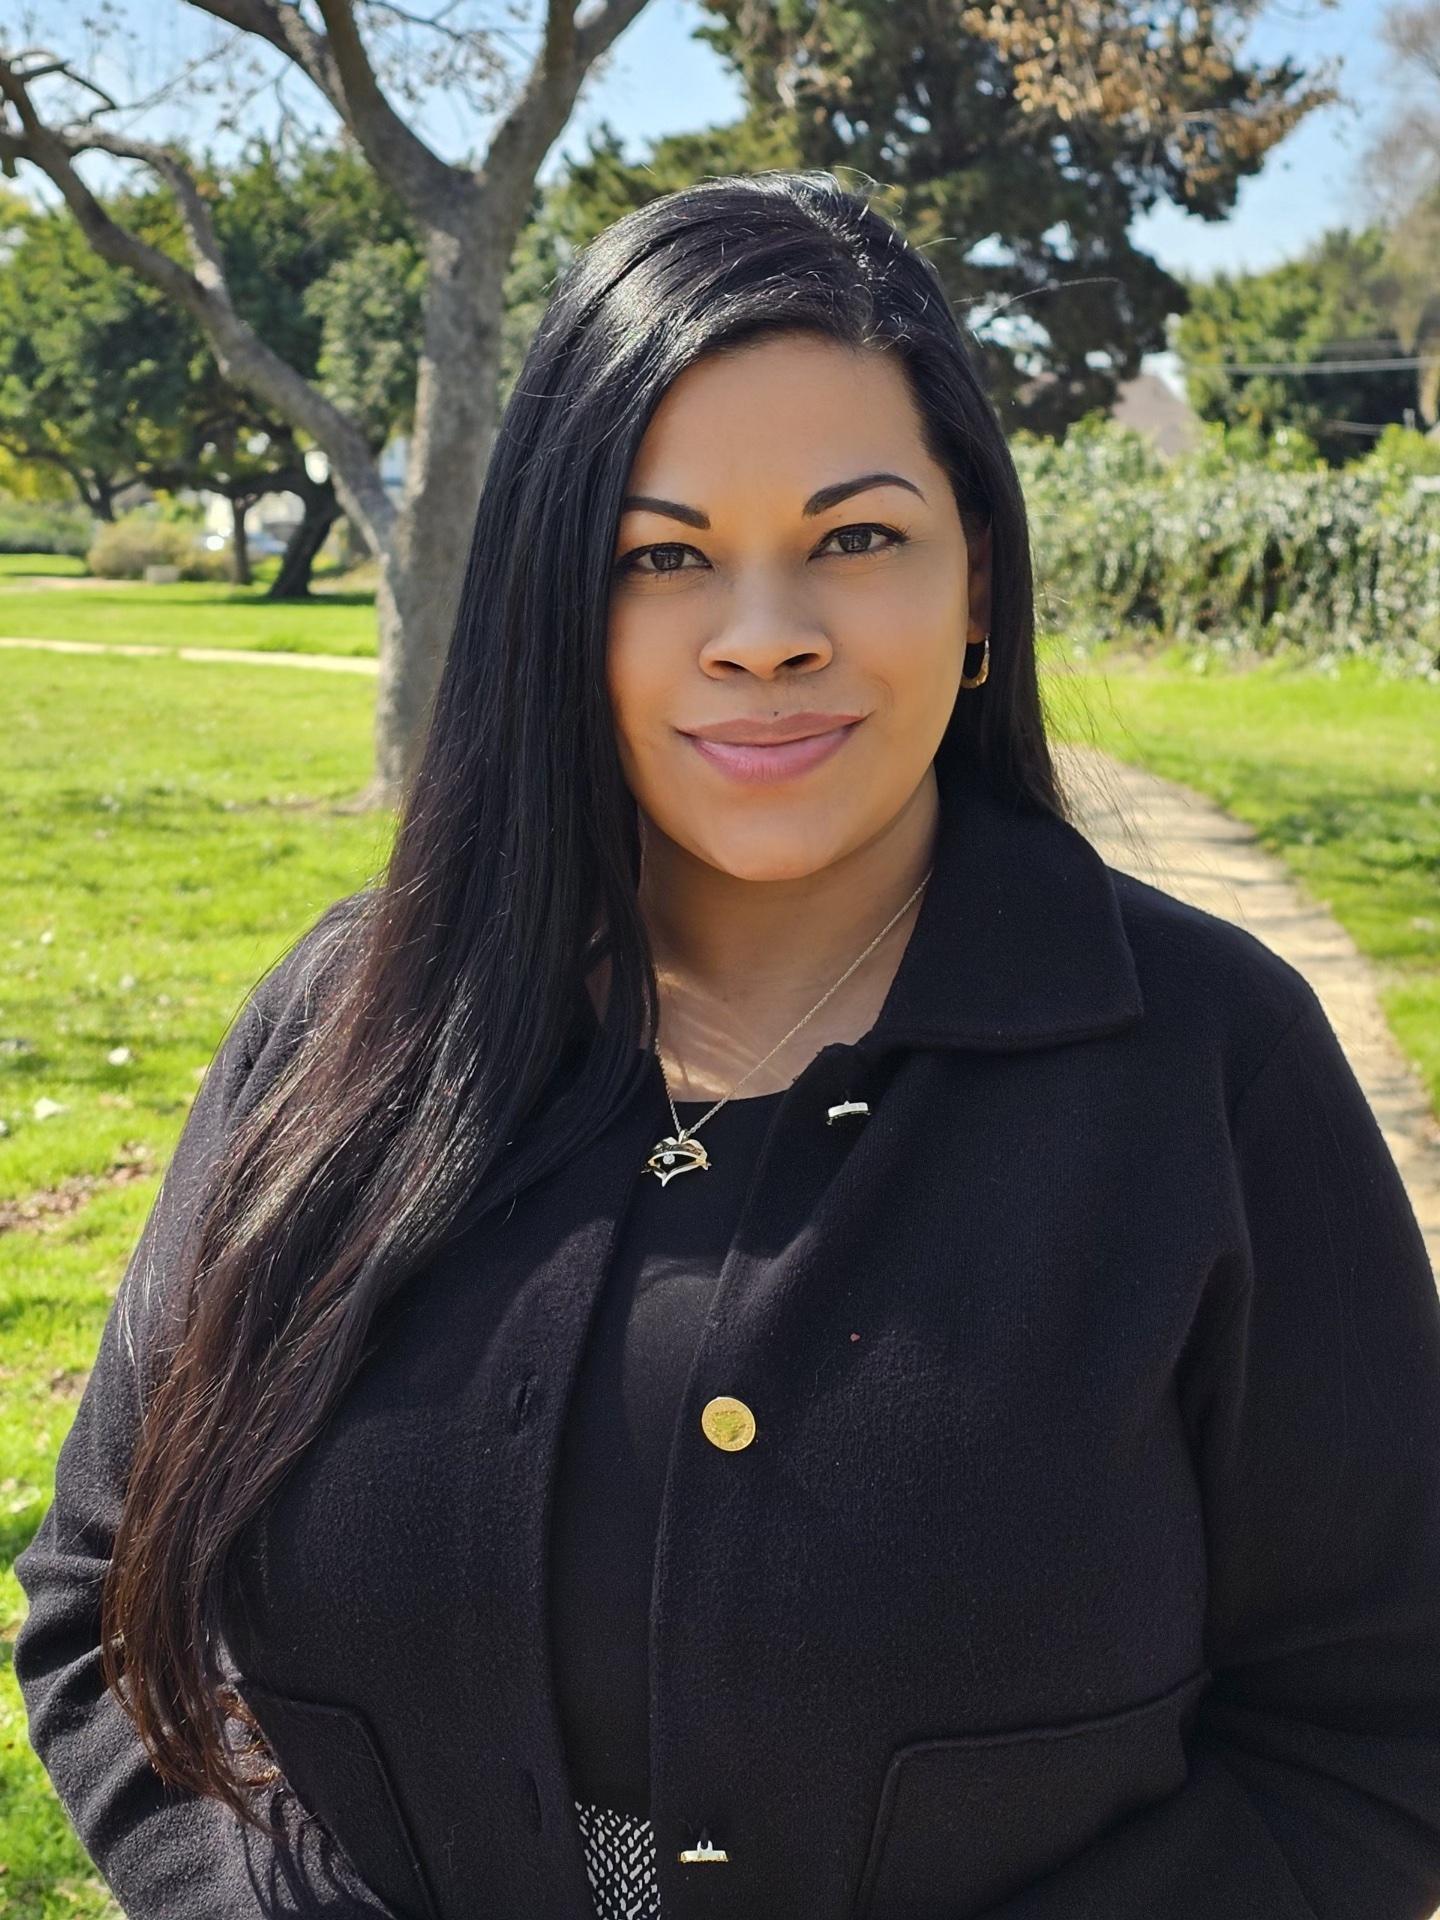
x=638 y=673
x=626 y=685
x=921 y=592
x=915 y=655
x=933 y=622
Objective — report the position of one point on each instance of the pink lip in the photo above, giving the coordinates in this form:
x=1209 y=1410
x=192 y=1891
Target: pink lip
x=773 y=763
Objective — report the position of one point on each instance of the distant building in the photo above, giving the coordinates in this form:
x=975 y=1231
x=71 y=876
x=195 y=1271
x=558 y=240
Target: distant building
x=1150 y=404
x=1153 y=403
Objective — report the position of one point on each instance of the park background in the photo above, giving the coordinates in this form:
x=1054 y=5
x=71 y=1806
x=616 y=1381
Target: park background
x=1197 y=254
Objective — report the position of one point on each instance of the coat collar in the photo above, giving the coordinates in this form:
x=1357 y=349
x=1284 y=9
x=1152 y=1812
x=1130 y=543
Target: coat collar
x=1018 y=941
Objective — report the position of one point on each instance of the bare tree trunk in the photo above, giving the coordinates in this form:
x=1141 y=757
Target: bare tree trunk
x=322 y=509
x=240 y=574
x=398 y=696
x=423 y=564
x=352 y=545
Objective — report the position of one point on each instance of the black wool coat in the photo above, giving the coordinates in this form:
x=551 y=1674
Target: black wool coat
x=1084 y=1564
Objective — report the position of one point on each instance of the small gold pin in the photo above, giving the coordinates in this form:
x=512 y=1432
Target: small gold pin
x=845 y=1107
x=704 y=1851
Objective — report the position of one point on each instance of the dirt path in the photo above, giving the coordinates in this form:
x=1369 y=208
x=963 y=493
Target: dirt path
x=44 y=582
x=1179 y=840
x=238 y=656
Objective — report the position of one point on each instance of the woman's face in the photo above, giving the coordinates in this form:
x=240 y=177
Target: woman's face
x=739 y=595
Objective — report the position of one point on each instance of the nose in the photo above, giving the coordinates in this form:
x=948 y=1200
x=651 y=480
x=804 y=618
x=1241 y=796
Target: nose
x=769 y=628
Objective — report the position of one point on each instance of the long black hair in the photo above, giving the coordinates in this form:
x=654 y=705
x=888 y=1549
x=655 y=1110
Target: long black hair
x=412 y=1101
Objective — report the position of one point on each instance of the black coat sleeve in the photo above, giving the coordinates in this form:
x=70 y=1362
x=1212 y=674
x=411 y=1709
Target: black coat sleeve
x=165 y=1854
x=1313 y=1790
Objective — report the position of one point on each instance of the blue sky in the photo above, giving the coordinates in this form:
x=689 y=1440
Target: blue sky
x=658 y=80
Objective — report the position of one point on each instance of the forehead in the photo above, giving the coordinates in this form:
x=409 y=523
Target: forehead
x=794 y=411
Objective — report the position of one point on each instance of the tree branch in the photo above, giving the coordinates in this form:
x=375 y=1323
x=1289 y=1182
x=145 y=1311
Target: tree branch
x=338 y=65
x=537 y=118
x=601 y=27
x=242 y=355
x=20 y=447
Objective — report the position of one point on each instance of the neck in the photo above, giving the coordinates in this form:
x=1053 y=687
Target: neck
x=739 y=961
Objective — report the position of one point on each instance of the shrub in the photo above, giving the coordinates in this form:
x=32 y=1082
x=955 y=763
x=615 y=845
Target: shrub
x=1226 y=552
x=123 y=548
x=35 y=526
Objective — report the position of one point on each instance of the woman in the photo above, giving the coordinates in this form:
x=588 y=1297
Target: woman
x=753 y=1330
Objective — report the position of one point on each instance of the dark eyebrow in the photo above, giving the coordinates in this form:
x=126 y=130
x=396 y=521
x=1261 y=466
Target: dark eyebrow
x=842 y=490
x=826 y=497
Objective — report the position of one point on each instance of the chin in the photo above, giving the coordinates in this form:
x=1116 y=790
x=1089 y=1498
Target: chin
x=776 y=858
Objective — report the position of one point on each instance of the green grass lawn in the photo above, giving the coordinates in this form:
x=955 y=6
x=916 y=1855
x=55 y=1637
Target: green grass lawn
x=168 y=827
x=20 y=567
x=191 y=613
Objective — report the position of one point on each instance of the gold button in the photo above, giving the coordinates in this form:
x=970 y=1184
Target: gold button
x=728 y=1423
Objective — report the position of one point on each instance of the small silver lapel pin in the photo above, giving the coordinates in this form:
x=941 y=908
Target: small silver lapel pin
x=704 y=1851
x=845 y=1107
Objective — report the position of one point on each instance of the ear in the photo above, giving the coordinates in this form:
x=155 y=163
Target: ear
x=979 y=548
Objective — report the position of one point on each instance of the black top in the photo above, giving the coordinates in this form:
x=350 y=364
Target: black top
x=618 y=1430
x=1091 y=1535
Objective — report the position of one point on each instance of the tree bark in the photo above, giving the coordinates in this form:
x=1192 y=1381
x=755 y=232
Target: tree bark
x=353 y=549
x=240 y=574
x=322 y=509
x=454 y=428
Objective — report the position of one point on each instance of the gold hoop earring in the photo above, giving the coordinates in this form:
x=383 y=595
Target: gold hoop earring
x=978 y=679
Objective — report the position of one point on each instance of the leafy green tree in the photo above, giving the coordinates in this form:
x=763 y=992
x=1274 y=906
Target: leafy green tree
x=108 y=382
x=93 y=370
x=1015 y=141
x=325 y=265
x=1401 y=169
x=1323 y=326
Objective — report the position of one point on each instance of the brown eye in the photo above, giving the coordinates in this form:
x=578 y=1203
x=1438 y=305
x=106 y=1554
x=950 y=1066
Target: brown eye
x=847 y=534
x=666 y=554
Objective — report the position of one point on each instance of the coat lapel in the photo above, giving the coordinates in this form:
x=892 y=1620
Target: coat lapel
x=1019 y=940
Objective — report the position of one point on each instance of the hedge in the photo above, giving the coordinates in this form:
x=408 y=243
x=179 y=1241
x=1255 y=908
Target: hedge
x=1233 y=554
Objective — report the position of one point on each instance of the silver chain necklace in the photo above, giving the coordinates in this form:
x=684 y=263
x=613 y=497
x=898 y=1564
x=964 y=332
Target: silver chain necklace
x=681 y=1152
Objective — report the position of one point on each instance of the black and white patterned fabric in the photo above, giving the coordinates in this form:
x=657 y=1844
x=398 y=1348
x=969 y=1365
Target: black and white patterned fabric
x=620 y=1859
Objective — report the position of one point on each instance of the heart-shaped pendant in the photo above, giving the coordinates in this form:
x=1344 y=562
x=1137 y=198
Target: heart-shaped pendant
x=674 y=1155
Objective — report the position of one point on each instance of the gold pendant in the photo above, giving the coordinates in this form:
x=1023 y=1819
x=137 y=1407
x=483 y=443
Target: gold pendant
x=673 y=1155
